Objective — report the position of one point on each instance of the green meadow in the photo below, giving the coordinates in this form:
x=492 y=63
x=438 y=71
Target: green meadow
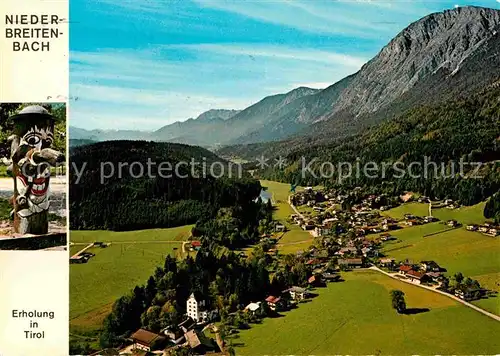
x=128 y=261
x=458 y=250
x=464 y=215
x=280 y=193
x=356 y=317
x=418 y=209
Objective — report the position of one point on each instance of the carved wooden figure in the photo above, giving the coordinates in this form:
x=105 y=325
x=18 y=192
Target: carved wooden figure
x=31 y=158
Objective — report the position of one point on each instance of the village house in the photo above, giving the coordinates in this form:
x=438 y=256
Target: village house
x=493 y=232
x=412 y=222
x=274 y=303
x=430 y=266
x=429 y=219
x=315 y=281
x=174 y=334
x=297 y=293
x=315 y=263
x=404 y=269
x=195 y=245
x=199 y=343
x=347 y=251
x=253 y=307
x=330 y=277
x=318 y=231
x=434 y=276
x=472 y=227
x=484 y=228
x=386 y=262
x=386 y=237
x=417 y=277
x=145 y=340
x=350 y=262
x=308 y=226
x=367 y=251
x=469 y=294
x=452 y=223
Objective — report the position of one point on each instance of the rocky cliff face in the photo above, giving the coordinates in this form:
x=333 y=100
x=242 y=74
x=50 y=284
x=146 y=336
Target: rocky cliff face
x=438 y=41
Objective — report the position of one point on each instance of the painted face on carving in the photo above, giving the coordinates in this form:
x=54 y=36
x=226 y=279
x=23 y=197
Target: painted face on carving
x=33 y=179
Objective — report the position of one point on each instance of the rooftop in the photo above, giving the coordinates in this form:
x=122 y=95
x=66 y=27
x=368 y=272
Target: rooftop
x=144 y=336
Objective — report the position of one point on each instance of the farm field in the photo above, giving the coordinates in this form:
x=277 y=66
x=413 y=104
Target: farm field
x=356 y=317
x=418 y=209
x=280 y=193
x=173 y=234
x=464 y=215
x=457 y=250
x=130 y=259
x=295 y=247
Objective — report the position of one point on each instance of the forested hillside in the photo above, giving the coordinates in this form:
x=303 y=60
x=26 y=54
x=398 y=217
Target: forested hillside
x=145 y=195
x=466 y=130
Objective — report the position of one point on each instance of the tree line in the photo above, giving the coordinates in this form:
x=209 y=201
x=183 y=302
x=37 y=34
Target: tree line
x=103 y=196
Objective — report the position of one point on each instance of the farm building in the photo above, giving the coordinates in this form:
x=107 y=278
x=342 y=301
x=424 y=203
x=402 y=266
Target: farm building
x=404 y=269
x=417 y=277
x=386 y=262
x=351 y=262
x=144 y=339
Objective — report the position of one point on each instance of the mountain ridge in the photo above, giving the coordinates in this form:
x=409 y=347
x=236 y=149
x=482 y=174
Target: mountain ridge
x=444 y=53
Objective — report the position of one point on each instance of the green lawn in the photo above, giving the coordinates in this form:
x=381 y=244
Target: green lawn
x=116 y=269
x=356 y=317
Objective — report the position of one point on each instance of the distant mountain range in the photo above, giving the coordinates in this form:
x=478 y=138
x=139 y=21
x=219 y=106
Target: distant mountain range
x=215 y=127
x=443 y=55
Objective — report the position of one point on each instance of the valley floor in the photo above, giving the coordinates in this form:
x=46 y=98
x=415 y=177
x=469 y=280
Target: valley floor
x=473 y=254
x=129 y=260
x=356 y=317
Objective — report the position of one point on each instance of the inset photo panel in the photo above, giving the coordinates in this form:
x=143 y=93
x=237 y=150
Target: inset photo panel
x=33 y=176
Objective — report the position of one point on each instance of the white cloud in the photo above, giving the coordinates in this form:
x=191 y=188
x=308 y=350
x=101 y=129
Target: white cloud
x=152 y=87
x=101 y=106
x=280 y=52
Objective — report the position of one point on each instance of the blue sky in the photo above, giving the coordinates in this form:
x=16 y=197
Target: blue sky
x=143 y=64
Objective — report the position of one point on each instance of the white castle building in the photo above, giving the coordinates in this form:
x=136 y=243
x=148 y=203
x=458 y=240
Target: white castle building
x=196 y=308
